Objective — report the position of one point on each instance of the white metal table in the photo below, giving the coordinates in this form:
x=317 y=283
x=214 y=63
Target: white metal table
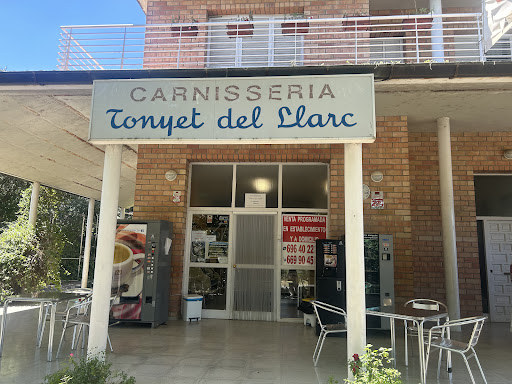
x=51 y=299
x=418 y=318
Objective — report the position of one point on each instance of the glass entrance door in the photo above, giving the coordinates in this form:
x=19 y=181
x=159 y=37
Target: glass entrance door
x=254 y=267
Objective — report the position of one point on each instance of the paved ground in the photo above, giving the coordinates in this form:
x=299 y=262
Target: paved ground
x=229 y=352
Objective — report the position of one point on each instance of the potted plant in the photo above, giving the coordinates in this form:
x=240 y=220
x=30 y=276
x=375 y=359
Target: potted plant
x=290 y=25
x=184 y=30
x=245 y=28
x=88 y=370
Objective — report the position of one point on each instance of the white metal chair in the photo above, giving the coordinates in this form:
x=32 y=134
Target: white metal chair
x=78 y=316
x=410 y=329
x=335 y=327
x=464 y=348
x=60 y=313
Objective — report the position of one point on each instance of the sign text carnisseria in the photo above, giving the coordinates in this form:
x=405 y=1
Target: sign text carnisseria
x=314 y=109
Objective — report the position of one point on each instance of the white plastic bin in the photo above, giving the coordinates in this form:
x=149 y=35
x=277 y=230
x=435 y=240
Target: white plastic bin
x=192 y=305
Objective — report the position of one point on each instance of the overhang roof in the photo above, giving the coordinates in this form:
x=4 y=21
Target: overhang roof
x=44 y=116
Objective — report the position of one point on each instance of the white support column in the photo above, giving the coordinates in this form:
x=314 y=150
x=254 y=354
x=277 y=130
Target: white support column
x=105 y=250
x=34 y=200
x=88 y=241
x=354 y=250
x=451 y=275
x=436 y=7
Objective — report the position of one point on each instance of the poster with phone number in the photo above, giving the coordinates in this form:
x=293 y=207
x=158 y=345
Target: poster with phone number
x=300 y=233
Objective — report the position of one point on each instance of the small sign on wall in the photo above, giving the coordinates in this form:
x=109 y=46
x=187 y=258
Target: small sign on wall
x=377 y=200
x=255 y=200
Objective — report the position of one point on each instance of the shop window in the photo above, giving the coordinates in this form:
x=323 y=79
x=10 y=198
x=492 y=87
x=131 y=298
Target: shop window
x=257 y=179
x=211 y=185
x=263 y=45
x=211 y=284
x=296 y=285
x=305 y=186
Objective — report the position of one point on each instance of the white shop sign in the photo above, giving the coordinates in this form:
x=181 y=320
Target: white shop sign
x=308 y=109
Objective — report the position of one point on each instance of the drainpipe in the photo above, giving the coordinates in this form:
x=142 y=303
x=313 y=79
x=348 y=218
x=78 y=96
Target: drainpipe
x=354 y=245
x=451 y=276
x=105 y=252
x=437 y=31
x=88 y=240
x=34 y=200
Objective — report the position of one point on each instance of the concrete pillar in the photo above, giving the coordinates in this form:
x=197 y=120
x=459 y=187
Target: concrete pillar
x=88 y=241
x=105 y=251
x=451 y=275
x=436 y=7
x=34 y=200
x=354 y=250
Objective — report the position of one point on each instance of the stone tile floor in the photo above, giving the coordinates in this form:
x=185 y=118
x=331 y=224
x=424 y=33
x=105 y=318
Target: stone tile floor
x=228 y=352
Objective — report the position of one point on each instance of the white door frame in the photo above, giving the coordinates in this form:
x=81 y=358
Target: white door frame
x=232 y=211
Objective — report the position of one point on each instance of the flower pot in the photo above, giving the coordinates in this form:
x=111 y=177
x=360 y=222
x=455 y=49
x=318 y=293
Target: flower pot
x=418 y=23
x=187 y=30
x=240 y=30
x=350 y=25
x=294 y=28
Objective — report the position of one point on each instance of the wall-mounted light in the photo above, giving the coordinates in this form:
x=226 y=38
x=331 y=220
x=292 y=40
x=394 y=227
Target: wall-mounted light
x=507 y=154
x=377 y=176
x=171 y=175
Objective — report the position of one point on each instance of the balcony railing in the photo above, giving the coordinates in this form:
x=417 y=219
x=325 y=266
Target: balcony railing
x=266 y=43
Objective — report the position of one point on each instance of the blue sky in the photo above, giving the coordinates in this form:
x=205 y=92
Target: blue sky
x=30 y=29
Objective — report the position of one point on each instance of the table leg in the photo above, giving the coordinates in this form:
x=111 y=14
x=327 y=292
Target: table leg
x=393 y=340
x=53 y=309
x=4 y=323
x=40 y=325
x=421 y=350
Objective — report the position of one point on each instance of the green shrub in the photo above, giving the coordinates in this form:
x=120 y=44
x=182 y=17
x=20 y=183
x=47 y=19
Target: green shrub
x=370 y=368
x=93 y=370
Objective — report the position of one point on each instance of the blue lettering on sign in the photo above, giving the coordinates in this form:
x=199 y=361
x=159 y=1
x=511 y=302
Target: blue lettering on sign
x=226 y=121
x=312 y=121
x=165 y=122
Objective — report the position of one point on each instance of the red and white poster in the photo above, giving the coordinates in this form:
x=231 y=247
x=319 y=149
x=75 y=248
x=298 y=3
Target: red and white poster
x=300 y=233
x=497 y=21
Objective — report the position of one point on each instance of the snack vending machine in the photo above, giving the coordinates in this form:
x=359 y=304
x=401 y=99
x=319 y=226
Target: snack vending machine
x=141 y=272
x=330 y=277
x=379 y=275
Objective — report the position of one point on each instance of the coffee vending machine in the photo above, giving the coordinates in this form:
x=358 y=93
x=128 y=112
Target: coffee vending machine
x=141 y=271
x=330 y=277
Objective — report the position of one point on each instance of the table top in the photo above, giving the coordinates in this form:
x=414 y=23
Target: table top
x=407 y=314
x=45 y=297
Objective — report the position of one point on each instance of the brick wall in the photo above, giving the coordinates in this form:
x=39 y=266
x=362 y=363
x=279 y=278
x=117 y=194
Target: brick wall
x=471 y=153
x=153 y=195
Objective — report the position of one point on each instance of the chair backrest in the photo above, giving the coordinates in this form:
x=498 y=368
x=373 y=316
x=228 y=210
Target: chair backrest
x=319 y=305
x=477 y=329
x=426 y=304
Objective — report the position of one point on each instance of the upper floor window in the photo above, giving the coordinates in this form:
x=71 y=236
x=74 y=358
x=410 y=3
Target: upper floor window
x=258 y=44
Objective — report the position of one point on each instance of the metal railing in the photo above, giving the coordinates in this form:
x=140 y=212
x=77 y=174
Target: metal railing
x=265 y=43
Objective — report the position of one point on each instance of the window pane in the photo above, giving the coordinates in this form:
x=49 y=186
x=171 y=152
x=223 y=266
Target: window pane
x=211 y=185
x=493 y=195
x=257 y=179
x=305 y=186
x=210 y=236
x=296 y=285
x=211 y=284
